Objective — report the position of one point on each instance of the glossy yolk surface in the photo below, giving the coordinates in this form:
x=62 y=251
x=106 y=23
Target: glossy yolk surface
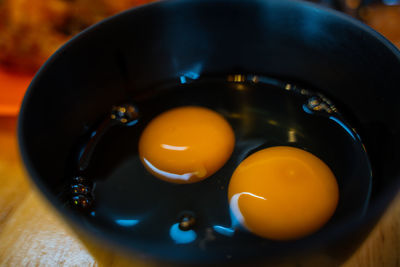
x=186 y=144
x=283 y=193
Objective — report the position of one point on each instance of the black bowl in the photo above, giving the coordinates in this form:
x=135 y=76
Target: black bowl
x=144 y=47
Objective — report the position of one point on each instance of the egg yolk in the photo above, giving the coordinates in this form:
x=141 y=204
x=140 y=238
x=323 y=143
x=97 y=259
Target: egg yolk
x=283 y=193
x=186 y=144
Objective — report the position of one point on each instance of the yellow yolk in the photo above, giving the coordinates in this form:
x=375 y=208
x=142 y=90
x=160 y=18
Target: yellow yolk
x=283 y=193
x=186 y=144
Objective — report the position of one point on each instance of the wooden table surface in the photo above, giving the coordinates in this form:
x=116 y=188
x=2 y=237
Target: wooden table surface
x=33 y=234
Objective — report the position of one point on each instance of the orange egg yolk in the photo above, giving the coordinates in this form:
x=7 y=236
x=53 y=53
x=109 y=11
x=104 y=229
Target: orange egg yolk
x=283 y=193
x=186 y=144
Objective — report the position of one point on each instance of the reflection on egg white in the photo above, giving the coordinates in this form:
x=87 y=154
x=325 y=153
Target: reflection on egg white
x=191 y=75
x=344 y=126
x=127 y=223
x=184 y=177
x=181 y=237
x=292 y=136
x=237 y=219
x=234 y=206
x=228 y=231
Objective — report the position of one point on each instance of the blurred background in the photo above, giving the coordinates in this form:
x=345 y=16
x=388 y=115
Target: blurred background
x=30 y=31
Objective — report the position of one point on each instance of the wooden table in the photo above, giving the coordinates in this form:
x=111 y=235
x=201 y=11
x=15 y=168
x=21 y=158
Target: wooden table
x=33 y=234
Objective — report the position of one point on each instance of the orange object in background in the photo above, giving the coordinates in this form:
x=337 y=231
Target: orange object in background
x=384 y=19
x=12 y=89
x=30 y=31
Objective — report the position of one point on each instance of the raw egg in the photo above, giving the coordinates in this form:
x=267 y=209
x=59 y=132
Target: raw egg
x=186 y=144
x=283 y=193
